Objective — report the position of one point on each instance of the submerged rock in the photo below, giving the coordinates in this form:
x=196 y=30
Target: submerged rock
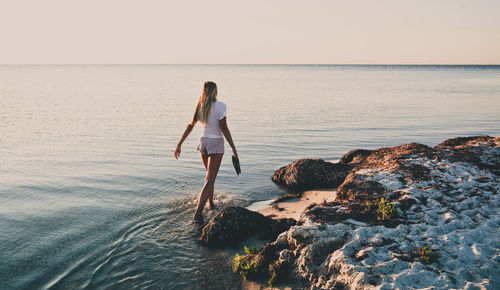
x=305 y=174
x=235 y=224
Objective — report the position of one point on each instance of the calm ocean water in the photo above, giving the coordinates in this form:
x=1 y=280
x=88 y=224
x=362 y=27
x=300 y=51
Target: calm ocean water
x=91 y=196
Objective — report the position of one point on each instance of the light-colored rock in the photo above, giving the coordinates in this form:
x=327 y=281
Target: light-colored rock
x=454 y=208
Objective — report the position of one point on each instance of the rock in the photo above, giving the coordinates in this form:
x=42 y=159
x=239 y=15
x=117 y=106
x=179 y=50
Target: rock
x=390 y=158
x=450 y=190
x=405 y=204
x=361 y=255
x=358 y=187
x=336 y=212
x=464 y=141
x=230 y=226
x=355 y=156
x=472 y=150
x=306 y=174
x=415 y=172
x=274 y=227
x=235 y=224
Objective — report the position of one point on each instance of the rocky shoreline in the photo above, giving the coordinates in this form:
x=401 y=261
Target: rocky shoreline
x=410 y=216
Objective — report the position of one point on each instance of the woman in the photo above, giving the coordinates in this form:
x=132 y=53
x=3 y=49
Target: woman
x=212 y=115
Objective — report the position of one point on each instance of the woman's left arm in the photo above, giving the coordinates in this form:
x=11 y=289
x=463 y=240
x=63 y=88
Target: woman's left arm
x=227 y=134
x=186 y=133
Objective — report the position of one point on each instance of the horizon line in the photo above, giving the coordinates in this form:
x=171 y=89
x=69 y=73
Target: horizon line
x=249 y=64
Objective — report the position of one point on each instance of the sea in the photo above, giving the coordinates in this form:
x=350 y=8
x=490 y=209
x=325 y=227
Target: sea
x=92 y=197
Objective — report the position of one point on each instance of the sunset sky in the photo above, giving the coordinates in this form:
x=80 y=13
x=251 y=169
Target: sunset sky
x=254 y=32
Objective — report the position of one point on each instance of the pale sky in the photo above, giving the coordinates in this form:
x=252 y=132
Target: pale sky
x=254 y=32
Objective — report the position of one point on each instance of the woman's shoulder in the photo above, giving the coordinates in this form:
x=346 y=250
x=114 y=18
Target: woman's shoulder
x=220 y=105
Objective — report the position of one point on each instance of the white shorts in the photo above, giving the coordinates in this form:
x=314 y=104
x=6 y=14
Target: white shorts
x=208 y=146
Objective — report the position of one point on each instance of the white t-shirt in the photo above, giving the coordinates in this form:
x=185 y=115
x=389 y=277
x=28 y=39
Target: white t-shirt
x=212 y=129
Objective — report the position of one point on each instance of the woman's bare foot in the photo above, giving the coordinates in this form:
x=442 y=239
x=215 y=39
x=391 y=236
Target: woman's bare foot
x=211 y=206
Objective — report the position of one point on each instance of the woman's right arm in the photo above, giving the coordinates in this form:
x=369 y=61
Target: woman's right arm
x=186 y=133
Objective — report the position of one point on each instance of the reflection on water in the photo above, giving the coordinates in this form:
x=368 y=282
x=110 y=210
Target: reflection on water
x=154 y=246
x=90 y=195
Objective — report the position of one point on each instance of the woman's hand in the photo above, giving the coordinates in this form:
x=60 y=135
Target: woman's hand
x=235 y=154
x=177 y=152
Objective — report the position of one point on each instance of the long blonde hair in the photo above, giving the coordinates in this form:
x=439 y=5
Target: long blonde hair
x=206 y=101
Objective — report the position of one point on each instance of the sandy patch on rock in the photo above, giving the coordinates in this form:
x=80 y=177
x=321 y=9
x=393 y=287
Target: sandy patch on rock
x=294 y=207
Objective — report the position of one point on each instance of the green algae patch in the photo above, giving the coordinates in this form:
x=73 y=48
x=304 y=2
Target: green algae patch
x=385 y=209
x=254 y=266
x=426 y=255
x=248 y=266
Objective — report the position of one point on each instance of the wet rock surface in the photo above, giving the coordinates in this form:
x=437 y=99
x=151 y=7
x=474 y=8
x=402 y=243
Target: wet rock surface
x=235 y=224
x=395 y=206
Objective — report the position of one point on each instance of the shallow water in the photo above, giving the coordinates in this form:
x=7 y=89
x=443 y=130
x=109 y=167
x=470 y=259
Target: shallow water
x=90 y=195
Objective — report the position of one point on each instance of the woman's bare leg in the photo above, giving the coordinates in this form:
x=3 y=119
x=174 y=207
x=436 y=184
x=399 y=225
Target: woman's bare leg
x=204 y=158
x=214 y=161
x=211 y=194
